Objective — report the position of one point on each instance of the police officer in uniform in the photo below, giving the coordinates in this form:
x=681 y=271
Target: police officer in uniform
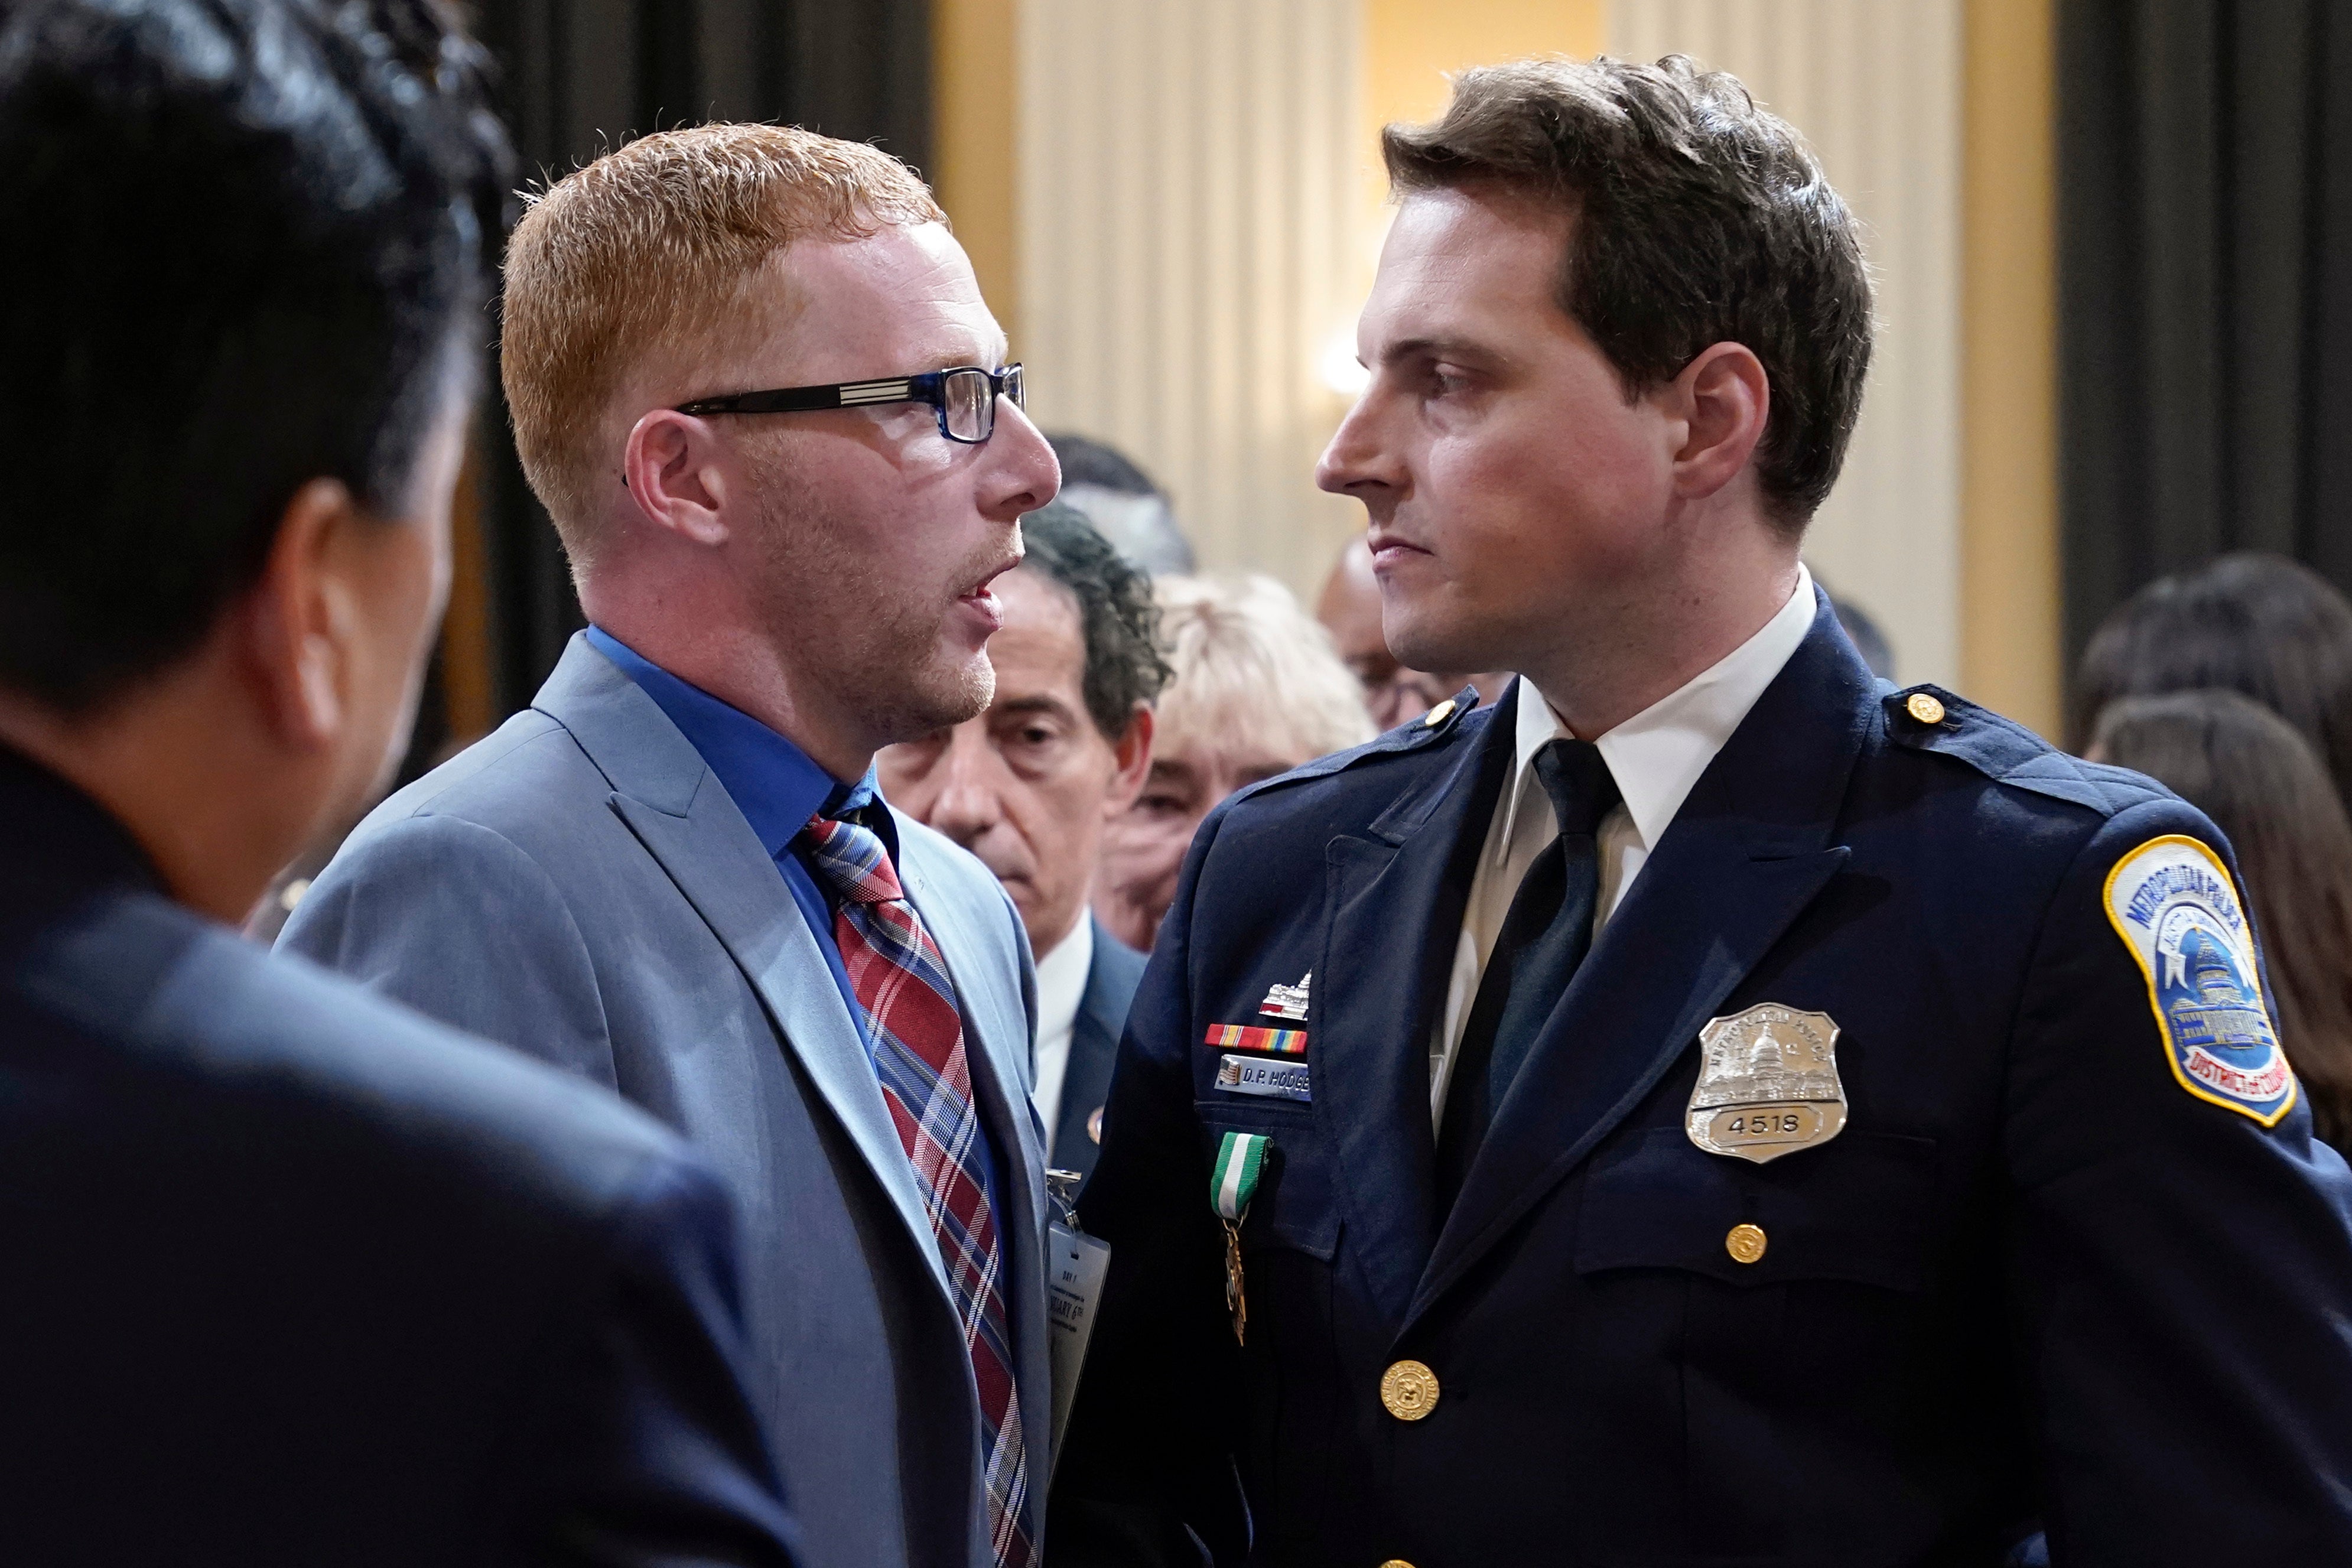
x=1711 y=1106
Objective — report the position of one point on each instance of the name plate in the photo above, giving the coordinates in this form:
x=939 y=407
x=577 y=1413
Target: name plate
x=1254 y=1074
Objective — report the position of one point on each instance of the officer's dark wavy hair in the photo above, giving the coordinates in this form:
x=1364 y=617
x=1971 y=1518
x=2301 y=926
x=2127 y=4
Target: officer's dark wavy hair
x=249 y=244
x=2263 y=786
x=1116 y=612
x=1699 y=219
x=2249 y=622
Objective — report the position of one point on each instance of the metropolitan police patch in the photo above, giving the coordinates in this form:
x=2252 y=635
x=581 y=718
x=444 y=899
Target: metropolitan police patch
x=2173 y=903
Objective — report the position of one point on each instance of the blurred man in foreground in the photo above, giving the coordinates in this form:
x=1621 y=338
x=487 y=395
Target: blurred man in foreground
x=1742 y=1111
x=1255 y=691
x=294 y=1277
x=755 y=385
x=1350 y=609
x=1029 y=784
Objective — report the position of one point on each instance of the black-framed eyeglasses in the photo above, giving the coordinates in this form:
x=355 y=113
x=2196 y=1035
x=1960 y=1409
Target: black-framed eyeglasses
x=964 y=396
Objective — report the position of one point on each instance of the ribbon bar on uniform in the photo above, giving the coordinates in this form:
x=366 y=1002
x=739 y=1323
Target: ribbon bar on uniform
x=1250 y=1037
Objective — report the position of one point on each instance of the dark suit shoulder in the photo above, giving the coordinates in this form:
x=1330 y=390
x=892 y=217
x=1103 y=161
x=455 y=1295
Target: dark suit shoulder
x=179 y=1003
x=1116 y=971
x=1932 y=720
x=322 y=1281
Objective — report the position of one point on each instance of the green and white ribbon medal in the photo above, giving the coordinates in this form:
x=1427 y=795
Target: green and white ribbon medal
x=1232 y=1181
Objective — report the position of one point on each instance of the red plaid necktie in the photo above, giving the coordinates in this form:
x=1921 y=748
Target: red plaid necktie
x=902 y=985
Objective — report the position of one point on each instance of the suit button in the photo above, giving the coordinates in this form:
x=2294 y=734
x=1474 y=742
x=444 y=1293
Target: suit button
x=1409 y=1390
x=1746 y=1243
x=1431 y=720
x=1924 y=706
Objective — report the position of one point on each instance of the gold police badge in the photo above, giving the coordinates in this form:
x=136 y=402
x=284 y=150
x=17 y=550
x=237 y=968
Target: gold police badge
x=1768 y=1084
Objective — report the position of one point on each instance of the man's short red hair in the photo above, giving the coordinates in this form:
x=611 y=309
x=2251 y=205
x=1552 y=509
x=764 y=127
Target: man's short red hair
x=651 y=251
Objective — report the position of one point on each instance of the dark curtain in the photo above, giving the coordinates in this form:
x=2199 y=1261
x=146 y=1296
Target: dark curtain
x=2205 y=255
x=581 y=77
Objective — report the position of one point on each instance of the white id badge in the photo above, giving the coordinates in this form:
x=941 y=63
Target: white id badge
x=1075 y=1266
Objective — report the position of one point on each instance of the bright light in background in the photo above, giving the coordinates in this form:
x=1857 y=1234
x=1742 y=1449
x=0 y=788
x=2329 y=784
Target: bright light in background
x=1341 y=371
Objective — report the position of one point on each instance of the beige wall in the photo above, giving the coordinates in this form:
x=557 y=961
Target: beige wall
x=1184 y=186
x=2010 y=644
x=1411 y=45
x=974 y=83
x=1875 y=88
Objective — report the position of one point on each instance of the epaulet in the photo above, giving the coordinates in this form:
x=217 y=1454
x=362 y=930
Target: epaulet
x=1441 y=723
x=1930 y=718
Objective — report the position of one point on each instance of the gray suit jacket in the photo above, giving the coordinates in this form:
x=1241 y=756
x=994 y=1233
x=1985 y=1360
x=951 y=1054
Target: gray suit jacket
x=578 y=885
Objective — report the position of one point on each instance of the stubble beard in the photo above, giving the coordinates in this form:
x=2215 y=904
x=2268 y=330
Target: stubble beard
x=852 y=626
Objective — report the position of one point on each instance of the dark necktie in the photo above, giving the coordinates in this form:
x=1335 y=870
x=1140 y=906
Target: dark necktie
x=1544 y=937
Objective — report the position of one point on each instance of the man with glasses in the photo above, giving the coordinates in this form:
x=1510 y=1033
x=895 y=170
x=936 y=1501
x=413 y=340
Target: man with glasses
x=755 y=383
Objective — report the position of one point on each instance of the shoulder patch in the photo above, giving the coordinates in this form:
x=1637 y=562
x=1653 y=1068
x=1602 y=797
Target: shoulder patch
x=2173 y=903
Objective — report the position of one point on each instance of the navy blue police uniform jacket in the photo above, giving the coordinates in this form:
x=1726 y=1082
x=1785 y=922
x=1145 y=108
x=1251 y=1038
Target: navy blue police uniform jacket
x=289 y=1275
x=2042 y=1280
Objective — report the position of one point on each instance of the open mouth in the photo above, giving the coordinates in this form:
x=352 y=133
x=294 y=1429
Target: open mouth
x=982 y=595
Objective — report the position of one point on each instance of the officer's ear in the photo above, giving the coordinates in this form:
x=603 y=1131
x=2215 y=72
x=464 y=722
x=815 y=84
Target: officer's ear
x=1133 y=749
x=1723 y=400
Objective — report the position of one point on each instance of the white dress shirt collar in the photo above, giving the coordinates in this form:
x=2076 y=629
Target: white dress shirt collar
x=1658 y=755
x=1062 y=974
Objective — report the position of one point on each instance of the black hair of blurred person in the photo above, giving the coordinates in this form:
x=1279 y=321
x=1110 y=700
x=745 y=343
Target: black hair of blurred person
x=1126 y=505
x=251 y=245
x=2250 y=622
x=1085 y=462
x=1117 y=616
x=2262 y=785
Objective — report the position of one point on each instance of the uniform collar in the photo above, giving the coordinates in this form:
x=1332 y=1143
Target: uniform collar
x=775 y=785
x=1659 y=754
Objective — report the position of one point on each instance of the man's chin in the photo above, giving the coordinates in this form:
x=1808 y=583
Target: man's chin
x=949 y=693
x=1427 y=645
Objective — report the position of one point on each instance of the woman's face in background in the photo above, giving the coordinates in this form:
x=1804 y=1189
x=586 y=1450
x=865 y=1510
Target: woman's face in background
x=1143 y=847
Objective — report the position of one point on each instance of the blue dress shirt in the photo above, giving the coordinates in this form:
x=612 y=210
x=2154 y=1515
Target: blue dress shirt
x=777 y=787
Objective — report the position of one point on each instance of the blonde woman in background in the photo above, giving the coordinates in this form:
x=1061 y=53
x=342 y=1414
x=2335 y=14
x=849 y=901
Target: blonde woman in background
x=1257 y=690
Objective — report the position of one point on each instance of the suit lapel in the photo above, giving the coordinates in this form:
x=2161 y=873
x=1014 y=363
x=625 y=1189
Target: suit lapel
x=1377 y=984
x=686 y=821
x=1094 y=1047
x=1748 y=850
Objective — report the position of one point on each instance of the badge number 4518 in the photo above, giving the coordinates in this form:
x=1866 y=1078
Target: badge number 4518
x=1763 y=1124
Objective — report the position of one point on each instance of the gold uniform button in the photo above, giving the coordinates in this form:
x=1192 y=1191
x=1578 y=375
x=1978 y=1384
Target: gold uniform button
x=1396 y=1562
x=1439 y=714
x=1924 y=706
x=1746 y=1243
x=1409 y=1390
